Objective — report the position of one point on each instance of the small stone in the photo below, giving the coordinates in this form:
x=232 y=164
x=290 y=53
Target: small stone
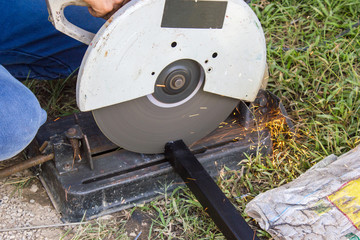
x=32 y=201
x=132 y=234
x=34 y=188
x=19 y=210
x=106 y=217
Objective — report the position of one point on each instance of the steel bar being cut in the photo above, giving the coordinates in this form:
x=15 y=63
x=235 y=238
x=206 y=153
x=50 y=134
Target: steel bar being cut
x=213 y=200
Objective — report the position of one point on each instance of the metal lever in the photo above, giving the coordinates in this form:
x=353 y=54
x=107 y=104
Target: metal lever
x=58 y=19
x=220 y=209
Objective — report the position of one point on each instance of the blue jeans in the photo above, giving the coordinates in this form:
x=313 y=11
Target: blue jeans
x=31 y=48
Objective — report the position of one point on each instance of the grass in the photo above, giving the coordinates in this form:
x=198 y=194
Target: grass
x=19 y=180
x=180 y=216
x=57 y=97
x=20 y=183
x=313 y=70
x=97 y=229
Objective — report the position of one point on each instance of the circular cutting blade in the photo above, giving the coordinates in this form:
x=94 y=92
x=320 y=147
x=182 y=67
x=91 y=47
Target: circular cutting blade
x=141 y=126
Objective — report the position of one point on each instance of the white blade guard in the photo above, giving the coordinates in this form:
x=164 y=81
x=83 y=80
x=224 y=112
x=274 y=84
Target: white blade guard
x=128 y=53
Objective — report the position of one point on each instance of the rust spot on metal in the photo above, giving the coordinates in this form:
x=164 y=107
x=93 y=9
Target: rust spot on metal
x=43 y=146
x=66 y=191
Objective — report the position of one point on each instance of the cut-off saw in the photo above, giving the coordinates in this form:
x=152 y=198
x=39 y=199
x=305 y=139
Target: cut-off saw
x=163 y=70
x=158 y=77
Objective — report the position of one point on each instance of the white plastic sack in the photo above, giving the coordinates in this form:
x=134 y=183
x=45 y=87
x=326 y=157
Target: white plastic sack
x=323 y=203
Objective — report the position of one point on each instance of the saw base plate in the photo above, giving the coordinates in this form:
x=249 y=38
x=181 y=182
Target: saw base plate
x=121 y=179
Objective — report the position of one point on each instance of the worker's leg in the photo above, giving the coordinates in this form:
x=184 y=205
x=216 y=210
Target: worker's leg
x=30 y=47
x=20 y=115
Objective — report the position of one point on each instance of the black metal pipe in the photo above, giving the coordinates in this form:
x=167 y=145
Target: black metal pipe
x=213 y=200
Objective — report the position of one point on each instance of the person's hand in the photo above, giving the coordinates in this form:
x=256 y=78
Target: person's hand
x=104 y=8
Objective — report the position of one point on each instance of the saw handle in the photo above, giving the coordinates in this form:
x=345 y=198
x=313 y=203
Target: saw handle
x=58 y=19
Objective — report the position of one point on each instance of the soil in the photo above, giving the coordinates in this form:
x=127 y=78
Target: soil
x=25 y=207
x=138 y=225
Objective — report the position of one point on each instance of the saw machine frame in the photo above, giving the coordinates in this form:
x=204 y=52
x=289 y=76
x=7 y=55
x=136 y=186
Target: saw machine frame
x=90 y=176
